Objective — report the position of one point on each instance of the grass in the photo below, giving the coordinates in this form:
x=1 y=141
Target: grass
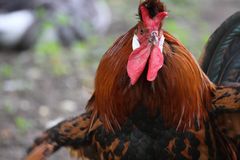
x=6 y=71
x=8 y=108
x=50 y=56
x=22 y=124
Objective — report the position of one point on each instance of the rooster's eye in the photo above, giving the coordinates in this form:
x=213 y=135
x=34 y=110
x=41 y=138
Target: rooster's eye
x=141 y=31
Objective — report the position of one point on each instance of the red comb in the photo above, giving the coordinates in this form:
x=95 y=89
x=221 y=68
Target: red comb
x=151 y=22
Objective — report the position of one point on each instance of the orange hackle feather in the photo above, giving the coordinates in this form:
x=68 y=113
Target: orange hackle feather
x=181 y=92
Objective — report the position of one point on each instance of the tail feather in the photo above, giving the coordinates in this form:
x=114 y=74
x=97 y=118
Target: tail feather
x=221 y=63
x=221 y=60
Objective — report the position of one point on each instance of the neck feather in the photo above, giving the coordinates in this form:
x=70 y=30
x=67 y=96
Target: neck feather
x=181 y=93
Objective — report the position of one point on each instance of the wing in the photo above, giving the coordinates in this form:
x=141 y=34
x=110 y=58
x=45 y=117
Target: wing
x=73 y=133
x=86 y=138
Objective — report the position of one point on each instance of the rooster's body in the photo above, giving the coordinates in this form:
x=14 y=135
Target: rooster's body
x=151 y=101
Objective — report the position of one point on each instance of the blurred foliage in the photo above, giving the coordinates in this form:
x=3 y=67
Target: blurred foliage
x=50 y=53
x=8 y=108
x=22 y=124
x=6 y=70
x=63 y=19
x=48 y=48
x=177 y=30
x=40 y=12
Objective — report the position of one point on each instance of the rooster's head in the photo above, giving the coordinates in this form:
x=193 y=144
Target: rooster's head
x=147 y=42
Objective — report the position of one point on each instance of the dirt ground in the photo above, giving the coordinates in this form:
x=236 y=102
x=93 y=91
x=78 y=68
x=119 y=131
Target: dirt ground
x=32 y=98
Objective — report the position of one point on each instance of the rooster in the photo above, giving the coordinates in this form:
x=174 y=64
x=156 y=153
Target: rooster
x=151 y=101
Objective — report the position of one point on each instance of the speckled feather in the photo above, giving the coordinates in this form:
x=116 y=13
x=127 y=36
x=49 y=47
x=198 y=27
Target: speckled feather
x=148 y=139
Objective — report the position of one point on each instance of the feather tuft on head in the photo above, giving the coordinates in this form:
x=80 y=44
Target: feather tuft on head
x=153 y=6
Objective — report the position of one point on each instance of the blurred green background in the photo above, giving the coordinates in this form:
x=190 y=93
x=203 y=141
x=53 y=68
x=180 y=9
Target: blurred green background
x=49 y=82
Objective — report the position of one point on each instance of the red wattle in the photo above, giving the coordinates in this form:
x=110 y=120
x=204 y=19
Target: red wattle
x=156 y=61
x=137 y=62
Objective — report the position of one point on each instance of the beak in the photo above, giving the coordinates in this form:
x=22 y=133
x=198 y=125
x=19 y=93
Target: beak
x=153 y=39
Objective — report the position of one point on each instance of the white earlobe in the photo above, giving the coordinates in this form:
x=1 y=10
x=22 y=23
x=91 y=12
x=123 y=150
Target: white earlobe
x=162 y=39
x=135 y=42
